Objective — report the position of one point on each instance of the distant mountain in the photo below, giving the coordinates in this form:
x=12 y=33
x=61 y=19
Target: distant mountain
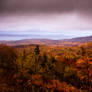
x=65 y=42
x=81 y=39
x=31 y=41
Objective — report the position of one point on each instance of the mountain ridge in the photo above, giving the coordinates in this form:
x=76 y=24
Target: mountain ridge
x=63 y=42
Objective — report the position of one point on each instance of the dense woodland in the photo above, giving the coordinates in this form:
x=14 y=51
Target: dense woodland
x=41 y=68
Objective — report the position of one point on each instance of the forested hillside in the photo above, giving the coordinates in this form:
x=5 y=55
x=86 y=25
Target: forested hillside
x=41 y=68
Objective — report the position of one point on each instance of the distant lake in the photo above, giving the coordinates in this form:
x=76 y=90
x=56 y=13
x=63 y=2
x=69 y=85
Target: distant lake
x=30 y=36
x=34 y=34
x=7 y=35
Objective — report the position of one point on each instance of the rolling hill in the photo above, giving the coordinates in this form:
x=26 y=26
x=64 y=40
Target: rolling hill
x=65 y=42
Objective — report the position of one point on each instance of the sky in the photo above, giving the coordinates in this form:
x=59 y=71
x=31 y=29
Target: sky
x=50 y=19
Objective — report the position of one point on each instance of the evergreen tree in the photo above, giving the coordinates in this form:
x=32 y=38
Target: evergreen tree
x=37 y=50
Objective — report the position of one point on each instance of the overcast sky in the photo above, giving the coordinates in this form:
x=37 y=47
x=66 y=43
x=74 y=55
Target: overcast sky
x=65 y=17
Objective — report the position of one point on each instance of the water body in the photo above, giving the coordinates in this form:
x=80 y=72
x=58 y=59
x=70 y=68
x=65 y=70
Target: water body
x=35 y=34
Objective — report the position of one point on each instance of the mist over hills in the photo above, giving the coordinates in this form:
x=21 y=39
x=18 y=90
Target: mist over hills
x=64 y=42
x=81 y=39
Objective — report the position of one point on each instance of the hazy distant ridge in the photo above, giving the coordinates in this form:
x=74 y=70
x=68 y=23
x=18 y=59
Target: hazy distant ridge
x=65 y=42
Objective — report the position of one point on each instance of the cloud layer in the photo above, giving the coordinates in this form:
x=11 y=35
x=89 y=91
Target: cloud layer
x=45 y=22
x=46 y=5
x=69 y=18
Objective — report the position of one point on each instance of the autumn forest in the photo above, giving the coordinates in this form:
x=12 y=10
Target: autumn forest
x=42 y=68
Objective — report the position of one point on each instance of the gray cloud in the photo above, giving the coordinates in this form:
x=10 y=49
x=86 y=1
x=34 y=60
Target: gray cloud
x=46 y=5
